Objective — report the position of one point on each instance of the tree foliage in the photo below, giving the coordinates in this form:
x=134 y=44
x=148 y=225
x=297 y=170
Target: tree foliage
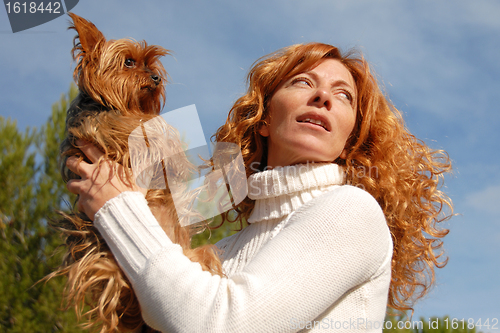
x=212 y=236
x=401 y=324
x=31 y=190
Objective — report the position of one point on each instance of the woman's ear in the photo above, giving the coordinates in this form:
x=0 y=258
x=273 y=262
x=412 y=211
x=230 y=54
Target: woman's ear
x=343 y=154
x=264 y=130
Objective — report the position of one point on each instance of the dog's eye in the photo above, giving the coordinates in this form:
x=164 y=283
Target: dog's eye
x=130 y=63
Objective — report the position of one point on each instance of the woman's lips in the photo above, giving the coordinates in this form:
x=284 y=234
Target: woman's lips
x=315 y=119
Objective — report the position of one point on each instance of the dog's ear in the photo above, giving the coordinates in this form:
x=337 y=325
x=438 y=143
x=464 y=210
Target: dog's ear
x=88 y=35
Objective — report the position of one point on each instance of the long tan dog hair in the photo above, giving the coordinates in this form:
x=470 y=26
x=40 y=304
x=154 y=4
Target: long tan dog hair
x=121 y=87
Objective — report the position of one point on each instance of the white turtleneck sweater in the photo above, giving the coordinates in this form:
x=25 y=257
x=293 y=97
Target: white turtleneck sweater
x=315 y=257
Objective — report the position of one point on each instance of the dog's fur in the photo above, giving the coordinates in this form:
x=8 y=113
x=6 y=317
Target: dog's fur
x=121 y=87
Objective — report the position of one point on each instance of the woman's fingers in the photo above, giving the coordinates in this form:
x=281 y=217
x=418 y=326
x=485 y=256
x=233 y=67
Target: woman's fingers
x=82 y=168
x=99 y=182
x=76 y=165
x=91 y=151
x=73 y=185
x=72 y=163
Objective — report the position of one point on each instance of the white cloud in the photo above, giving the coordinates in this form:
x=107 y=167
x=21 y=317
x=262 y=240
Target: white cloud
x=486 y=200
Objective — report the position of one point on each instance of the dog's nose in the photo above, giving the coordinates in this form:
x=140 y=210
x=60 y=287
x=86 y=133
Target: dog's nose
x=156 y=78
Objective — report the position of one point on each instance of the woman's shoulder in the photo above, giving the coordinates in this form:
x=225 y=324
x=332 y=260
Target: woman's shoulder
x=345 y=197
x=345 y=220
x=343 y=207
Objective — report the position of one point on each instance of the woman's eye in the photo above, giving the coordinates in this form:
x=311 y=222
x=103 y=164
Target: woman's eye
x=302 y=81
x=346 y=95
x=130 y=63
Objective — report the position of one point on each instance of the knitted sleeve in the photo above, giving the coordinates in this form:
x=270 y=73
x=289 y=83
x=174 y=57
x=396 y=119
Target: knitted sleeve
x=331 y=244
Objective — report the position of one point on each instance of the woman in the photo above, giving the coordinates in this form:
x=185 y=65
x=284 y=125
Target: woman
x=318 y=254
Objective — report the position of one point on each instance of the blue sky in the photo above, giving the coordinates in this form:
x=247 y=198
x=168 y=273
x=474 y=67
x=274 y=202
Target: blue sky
x=438 y=61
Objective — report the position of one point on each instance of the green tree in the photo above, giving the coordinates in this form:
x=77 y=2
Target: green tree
x=212 y=236
x=401 y=324
x=31 y=190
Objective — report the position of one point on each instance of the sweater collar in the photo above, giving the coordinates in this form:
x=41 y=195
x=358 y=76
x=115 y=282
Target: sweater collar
x=280 y=191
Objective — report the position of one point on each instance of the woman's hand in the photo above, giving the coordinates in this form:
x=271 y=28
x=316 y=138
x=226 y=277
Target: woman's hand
x=100 y=181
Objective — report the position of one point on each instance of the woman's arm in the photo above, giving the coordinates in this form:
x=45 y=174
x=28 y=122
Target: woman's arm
x=333 y=244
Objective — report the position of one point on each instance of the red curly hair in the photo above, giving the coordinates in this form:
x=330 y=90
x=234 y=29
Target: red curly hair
x=404 y=175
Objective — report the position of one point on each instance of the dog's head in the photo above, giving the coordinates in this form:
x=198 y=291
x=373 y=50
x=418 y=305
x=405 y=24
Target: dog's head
x=122 y=74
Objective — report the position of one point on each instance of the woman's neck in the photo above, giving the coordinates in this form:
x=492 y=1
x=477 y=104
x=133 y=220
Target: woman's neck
x=280 y=191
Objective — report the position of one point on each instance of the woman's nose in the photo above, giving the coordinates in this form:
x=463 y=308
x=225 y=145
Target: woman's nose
x=322 y=98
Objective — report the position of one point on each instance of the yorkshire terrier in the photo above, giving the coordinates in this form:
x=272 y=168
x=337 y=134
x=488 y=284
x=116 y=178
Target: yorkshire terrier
x=121 y=86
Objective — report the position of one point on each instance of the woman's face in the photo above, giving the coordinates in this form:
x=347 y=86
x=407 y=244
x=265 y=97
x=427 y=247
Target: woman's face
x=311 y=116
